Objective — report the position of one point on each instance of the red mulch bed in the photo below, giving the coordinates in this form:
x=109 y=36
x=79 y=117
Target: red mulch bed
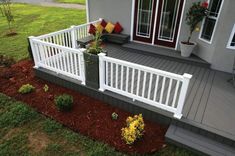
x=89 y=116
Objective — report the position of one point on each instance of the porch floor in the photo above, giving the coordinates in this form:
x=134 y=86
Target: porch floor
x=210 y=102
x=166 y=53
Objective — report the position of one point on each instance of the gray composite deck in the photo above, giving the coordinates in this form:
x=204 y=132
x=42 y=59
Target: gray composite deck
x=210 y=102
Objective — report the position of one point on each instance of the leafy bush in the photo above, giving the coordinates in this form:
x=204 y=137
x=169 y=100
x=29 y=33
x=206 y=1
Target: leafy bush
x=134 y=129
x=64 y=102
x=46 y=88
x=114 y=116
x=17 y=115
x=26 y=89
x=51 y=126
x=96 y=44
x=6 y=61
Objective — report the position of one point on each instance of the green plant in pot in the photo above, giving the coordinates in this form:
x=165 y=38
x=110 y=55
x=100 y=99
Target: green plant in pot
x=92 y=61
x=194 y=16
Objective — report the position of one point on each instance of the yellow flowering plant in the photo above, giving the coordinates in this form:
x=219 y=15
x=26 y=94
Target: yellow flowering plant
x=134 y=129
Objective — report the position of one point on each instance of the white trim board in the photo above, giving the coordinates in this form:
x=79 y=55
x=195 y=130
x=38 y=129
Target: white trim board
x=231 y=38
x=180 y=26
x=132 y=19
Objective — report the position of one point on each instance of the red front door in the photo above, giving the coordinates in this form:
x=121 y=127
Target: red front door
x=157 y=21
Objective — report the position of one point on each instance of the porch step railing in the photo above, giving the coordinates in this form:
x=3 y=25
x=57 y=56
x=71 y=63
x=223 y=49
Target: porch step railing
x=155 y=87
x=57 y=58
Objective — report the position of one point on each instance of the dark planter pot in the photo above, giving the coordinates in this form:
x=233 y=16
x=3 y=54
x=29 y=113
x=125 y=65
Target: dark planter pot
x=92 y=70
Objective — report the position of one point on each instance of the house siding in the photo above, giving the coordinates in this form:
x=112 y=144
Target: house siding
x=215 y=53
x=112 y=10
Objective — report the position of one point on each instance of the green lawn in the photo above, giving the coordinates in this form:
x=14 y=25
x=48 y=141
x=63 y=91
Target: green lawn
x=35 y=20
x=25 y=132
x=72 y=1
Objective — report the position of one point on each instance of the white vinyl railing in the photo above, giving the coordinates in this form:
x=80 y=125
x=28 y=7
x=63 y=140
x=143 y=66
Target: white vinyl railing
x=57 y=58
x=62 y=37
x=155 y=87
x=58 y=52
x=68 y=37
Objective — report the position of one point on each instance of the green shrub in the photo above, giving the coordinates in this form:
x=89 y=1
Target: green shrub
x=27 y=88
x=64 y=102
x=51 y=126
x=46 y=88
x=114 y=116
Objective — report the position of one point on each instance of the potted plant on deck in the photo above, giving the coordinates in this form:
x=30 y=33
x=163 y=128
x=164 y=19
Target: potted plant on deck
x=92 y=61
x=194 y=16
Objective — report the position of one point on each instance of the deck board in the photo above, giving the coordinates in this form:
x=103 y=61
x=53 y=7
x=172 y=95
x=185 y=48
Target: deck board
x=201 y=108
x=197 y=96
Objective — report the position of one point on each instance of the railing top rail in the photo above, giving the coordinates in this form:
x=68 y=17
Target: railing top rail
x=54 y=33
x=59 y=46
x=145 y=68
x=82 y=25
x=65 y=30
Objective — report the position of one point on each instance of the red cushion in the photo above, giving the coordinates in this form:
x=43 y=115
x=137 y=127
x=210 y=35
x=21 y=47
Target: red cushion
x=92 y=29
x=118 y=28
x=103 y=23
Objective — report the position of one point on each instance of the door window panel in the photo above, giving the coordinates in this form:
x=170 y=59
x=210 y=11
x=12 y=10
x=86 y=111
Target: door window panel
x=168 y=19
x=145 y=10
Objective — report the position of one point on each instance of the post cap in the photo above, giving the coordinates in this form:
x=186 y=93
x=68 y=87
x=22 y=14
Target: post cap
x=101 y=54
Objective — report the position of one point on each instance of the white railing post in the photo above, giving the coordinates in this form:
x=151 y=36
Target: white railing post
x=82 y=65
x=101 y=71
x=73 y=37
x=182 y=95
x=36 y=61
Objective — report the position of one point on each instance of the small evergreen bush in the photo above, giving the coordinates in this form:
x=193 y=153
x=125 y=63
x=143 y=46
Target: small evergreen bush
x=27 y=88
x=64 y=102
x=114 y=116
